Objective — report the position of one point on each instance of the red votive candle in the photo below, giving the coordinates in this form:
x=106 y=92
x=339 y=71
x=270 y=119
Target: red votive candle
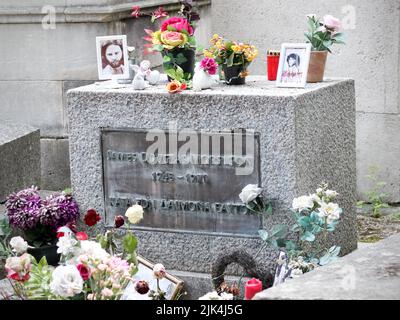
x=272 y=64
x=252 y=287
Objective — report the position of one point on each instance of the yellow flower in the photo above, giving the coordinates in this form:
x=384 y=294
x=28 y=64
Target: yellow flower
x=156 y=37
x=208 y=53
x=172 y=39
x=215 y=38
x=236 y=48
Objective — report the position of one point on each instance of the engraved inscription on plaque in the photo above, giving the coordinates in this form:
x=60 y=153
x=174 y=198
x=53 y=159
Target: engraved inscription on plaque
x=185 y=180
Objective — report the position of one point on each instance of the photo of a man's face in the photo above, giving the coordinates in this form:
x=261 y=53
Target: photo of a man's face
x=112 y=57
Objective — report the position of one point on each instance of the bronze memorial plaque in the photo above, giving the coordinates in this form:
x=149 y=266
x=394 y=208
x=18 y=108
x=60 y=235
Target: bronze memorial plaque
x=185 y=180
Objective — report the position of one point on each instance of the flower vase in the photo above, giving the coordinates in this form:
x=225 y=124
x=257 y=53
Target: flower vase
x=233 y=74
x=184 y=58
x=50 y=252
x=316 y=66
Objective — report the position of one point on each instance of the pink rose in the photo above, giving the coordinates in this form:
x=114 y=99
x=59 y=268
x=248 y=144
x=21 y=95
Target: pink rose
x=179 y=24
x=332 y=23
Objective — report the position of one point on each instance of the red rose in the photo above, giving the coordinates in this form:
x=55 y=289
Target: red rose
x=136 y=12
x=91 y=217
x=119 y=221
x=84 y=271
x=179 y=24
x=82 y=236
x=142 y=287
x=60 y=235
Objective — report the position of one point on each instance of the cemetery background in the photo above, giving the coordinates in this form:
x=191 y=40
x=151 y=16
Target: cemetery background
x=45 y=63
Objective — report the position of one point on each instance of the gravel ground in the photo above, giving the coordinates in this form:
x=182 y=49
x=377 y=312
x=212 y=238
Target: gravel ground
x=372 y=229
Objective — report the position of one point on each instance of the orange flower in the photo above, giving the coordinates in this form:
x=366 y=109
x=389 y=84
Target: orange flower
x=175 y=86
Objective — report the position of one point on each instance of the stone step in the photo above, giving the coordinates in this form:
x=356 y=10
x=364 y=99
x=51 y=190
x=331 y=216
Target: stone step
x=370 y=272
x=19 y=157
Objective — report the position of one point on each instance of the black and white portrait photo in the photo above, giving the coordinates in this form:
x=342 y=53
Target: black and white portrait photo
x=293 y=65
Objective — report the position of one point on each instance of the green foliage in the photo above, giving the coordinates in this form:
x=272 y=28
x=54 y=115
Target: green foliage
x=330 y=256
x=321 y=40
x=375 y=196
x=172 y=67
x=5 y=233
x=38 y=285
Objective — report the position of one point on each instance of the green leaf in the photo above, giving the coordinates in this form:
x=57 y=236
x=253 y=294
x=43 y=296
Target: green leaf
x=290 y=245
x=171 y=28
x=179 y=73
x=68 y=190
x=158 y=47
x=279 y=231
x=308 y=236
x=263 y=234
x=172 y=73
x=229 y=62
x=130 y=243
x=180 y=58
x=166 y=59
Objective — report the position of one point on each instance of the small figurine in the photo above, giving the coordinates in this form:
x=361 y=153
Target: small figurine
x=203 y=72
x=152 y=76
x=138 y=80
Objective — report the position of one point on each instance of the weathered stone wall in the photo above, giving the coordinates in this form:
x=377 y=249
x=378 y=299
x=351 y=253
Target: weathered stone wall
x=39 y=65
x=371 y=57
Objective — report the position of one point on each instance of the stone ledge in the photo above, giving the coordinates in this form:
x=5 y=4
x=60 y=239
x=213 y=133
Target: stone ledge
x=85 y=13
x=371 y=272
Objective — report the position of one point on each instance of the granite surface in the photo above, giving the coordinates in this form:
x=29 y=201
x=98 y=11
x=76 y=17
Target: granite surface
x=19 y=158
x=372 y=272
x=306 y=135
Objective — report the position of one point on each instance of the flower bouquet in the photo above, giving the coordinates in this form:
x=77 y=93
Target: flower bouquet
x=38 y=219
x=322 y=35
x=175 y=41
x=89 y=269
x=234 y=57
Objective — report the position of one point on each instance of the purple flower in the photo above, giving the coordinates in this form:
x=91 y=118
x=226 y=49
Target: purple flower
x=27 y=211
x=23 y=208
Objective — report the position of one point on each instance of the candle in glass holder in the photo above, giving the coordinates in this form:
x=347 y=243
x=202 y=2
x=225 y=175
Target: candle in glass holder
x=252 y=287
x=272 y=64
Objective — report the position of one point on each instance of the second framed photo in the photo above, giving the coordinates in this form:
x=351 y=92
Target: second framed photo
x=293 y=65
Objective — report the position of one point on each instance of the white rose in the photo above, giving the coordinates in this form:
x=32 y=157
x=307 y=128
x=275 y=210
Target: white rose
x=19 y=245
x=66 y=245
x=329 y=210
x=134 y=214
x=93 y=250
x=249 y=193
x=316 y=198
x=211 y=296
x=226 y=296
x=66 y=281
x=295 y=273
x=331 y=194
x=303 y=202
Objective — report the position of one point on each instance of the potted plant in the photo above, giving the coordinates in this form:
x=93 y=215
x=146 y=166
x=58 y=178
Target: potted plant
x=37 y=219
x=322 y=35
x=234 y=57
x=174 y=40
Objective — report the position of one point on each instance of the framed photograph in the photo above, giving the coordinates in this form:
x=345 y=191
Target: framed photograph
x=112 y=57
x=293 y=65
x=170 y=284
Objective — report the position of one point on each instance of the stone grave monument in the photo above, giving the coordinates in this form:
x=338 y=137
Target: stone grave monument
x=122 y=150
